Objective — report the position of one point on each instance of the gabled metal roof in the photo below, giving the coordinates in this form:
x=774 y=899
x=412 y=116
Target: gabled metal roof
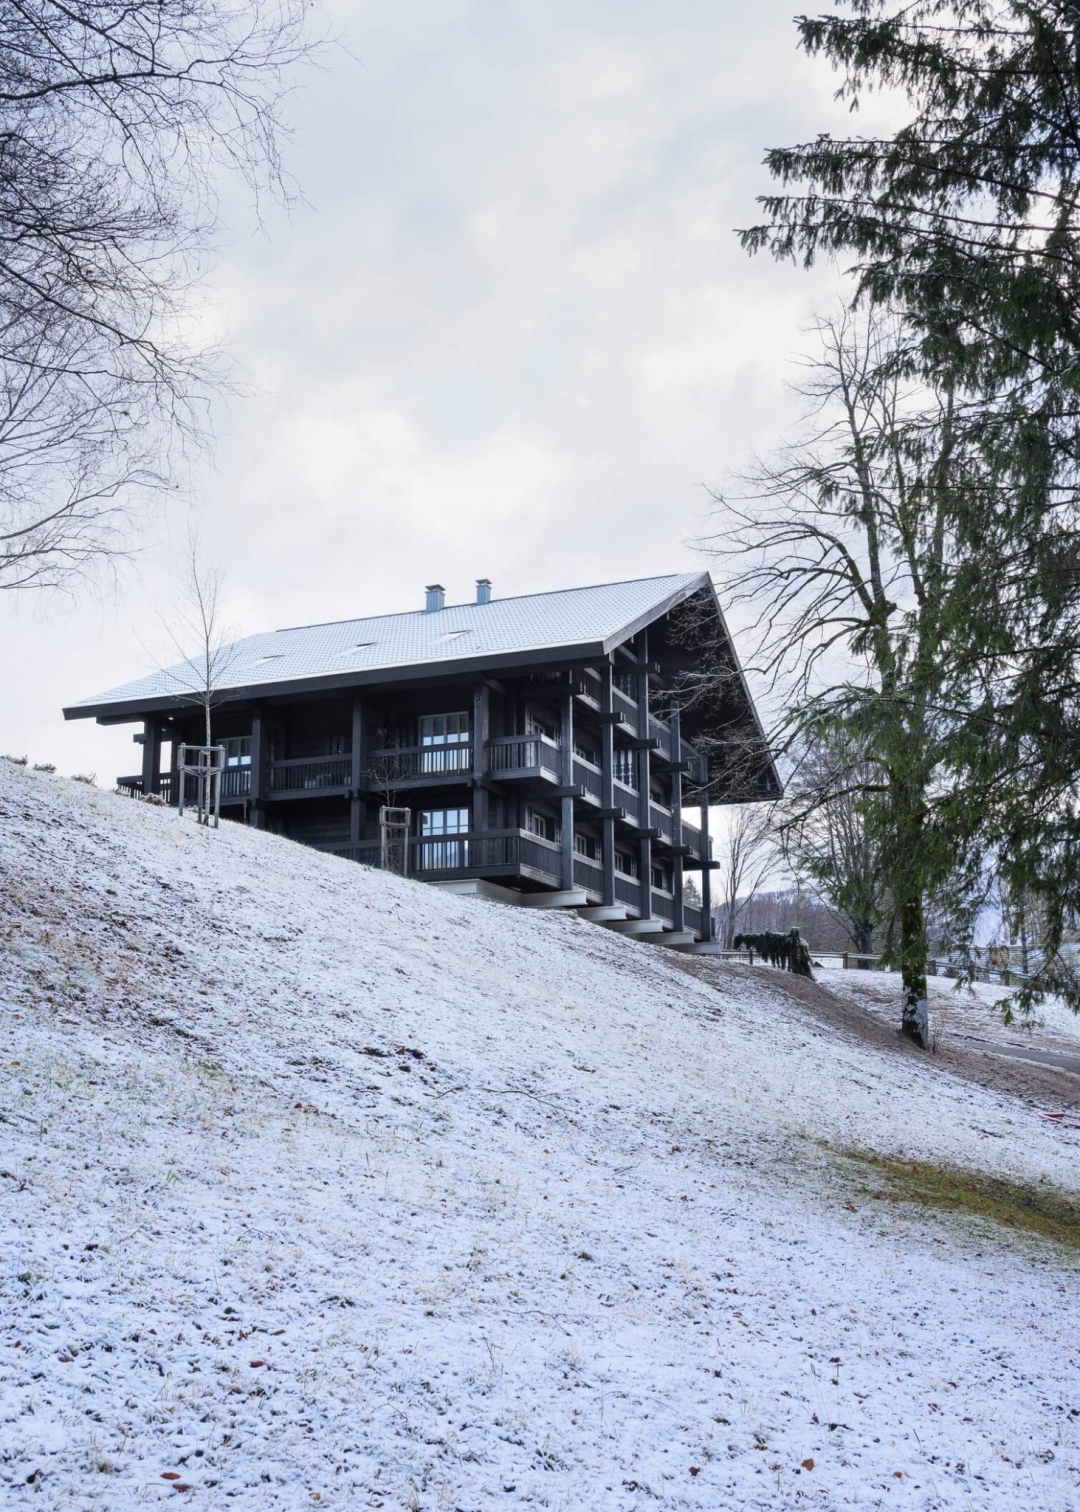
x=586 y=621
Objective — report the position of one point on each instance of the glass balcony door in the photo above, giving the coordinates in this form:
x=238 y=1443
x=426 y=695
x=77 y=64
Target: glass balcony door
x=444 y=741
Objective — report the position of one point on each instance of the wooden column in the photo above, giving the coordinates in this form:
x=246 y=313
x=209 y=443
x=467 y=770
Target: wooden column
x=644 y=776
x=151 y=755
x=358 y=780
x=676 y=817
x=256 y=811
x=566 y=740
x=607 y=781
x=706 y=857
x=175 y=735
x=481 y=731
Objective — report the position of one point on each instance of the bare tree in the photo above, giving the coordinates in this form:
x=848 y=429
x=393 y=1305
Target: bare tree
x=824 y=830
x=747 y=854
x=842 y=549
x=200 y=636
x=115 y=116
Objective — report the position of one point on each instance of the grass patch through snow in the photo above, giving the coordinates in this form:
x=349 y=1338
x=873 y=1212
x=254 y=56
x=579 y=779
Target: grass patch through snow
x=1037 y=1208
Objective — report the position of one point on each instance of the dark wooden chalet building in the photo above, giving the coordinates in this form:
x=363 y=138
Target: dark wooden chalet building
x=537 y=742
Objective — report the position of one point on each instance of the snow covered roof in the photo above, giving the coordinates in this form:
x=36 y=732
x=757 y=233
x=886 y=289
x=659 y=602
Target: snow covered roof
x=586 y=621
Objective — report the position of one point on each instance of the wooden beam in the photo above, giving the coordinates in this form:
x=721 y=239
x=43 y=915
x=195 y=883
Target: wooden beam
x=608 y=720
x=644 y=744
x=676 y=768
x=151 y=755
x=359 y=771
x=568 y=790
x=256 y=810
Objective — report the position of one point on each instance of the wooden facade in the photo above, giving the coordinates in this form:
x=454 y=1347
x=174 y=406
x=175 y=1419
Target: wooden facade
x=557 y=773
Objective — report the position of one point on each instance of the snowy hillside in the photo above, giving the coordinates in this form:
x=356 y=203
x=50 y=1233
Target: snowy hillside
x=321 y=1188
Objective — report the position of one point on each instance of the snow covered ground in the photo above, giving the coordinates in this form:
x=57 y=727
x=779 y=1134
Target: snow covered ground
x=321 y=1188
x=961 y=1012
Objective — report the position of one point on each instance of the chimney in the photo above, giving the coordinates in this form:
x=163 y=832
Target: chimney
x=483 y=590
x=436 y=597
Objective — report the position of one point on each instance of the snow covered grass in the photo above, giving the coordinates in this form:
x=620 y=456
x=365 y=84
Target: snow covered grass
x=961 y=1011
x=321 y=1188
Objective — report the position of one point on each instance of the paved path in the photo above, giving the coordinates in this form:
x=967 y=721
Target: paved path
x=1056 y=1058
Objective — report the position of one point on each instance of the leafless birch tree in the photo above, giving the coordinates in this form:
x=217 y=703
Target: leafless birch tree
x=198 y=633
x=747 y=853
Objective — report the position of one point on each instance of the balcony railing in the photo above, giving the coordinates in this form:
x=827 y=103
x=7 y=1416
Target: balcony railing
x=663 y=906
x=397 y=764
x=590 y=875
x=444 y=855
x=590 y=778
x=692 y=837
x=626 y=796
x=304 y=774
x=133 y=786
x=523 y=753
x=663 y=820
x=623 y=704
x=662 y=735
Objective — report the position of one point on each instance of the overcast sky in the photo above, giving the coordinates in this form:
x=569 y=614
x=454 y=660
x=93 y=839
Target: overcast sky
x=511 y=334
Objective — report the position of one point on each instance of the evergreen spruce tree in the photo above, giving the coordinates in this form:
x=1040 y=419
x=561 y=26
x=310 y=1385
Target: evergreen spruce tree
x=966 y=224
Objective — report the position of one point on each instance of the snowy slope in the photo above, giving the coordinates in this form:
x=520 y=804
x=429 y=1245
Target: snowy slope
x=321 y=1188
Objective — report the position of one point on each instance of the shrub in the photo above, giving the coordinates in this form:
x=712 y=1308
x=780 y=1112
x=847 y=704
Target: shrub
x=89 y=778
x=16 y=760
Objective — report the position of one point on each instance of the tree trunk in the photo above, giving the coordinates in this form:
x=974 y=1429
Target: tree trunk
x=864 y=936
x=914 y=1024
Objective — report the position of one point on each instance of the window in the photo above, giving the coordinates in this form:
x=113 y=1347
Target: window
x=445 y=738
x=625 y=767
x=627 y=863
x=453 y=821
x=437 y=852
x=543 y=825
x=585 y=754
x=238 y=751
x=444 y=729
x=535 y=725
x=586 y=845
x=661 y=879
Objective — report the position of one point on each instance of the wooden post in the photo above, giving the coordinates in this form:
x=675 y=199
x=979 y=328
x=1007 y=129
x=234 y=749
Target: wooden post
x=644 y=777
x=358 y=774
x=607 y=780
x=174 y=764
x=706 y=857
x=151 y=755
x=481 y=721
x=676 y=818
x=256 y=812
x=566 y=740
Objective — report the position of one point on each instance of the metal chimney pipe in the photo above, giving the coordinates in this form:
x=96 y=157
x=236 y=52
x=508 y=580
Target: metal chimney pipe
x=436 y=597
x=483 y=590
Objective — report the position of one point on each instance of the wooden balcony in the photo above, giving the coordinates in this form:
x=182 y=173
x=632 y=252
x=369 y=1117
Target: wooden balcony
x=133 y=786
x=502 y=854
x=590 y=779
x=305 y=775
x=419 y=766
x=518 y=756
